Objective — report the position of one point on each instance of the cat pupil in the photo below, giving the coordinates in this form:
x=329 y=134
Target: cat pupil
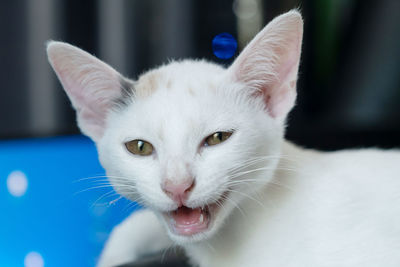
x=140 y=145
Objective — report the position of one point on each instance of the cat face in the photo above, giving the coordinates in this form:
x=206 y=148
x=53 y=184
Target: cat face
x=176 y=121
x=189 y=140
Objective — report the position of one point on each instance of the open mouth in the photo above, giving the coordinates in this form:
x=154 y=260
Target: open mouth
x=187 y=221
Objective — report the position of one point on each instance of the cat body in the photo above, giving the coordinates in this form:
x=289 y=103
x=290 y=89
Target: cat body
x=322 y=209
x=202 y=148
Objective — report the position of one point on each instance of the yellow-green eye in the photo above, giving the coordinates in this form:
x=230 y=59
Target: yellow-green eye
x=139 y=147
x=217 y=138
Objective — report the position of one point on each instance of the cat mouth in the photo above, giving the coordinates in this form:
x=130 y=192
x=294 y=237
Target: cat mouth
x=186 y=221
x=189 y=221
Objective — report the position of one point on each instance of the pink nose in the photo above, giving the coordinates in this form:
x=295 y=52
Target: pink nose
x=178 y=192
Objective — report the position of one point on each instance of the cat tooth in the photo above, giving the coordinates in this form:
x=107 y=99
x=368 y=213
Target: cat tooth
x=201 y=218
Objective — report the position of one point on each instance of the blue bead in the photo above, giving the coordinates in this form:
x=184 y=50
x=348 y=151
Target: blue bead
x=224 y=45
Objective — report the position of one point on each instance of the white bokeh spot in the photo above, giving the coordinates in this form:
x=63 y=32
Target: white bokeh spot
x=33 y=259
x=245 y=9
x=17 y=183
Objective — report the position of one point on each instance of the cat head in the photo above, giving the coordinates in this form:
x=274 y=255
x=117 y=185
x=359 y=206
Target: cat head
x=189 y=140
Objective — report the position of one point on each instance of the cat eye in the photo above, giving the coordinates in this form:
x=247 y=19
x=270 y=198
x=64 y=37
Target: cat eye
x=217 y=138
x=139 y=147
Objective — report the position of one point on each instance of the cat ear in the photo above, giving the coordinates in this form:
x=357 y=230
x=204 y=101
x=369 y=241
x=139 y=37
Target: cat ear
x=269 y=63
x=91 y=85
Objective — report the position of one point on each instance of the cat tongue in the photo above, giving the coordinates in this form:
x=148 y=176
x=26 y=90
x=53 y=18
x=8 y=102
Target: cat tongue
x=187 y=216
x=187 y=221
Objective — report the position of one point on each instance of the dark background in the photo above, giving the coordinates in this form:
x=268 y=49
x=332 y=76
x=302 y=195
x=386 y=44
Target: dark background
x=349 y=85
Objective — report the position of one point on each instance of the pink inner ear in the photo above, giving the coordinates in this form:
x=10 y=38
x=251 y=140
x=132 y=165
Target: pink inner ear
x=90 y=84
x=282 y=99
x=270 y=62
x=91 y=91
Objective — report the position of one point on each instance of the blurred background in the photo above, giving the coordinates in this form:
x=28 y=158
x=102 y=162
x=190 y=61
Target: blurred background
x=55 y=212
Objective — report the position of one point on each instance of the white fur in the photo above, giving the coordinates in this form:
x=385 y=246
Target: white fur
x=326 y=209
x=89 y=83
x=286 y=206
x=120 y=248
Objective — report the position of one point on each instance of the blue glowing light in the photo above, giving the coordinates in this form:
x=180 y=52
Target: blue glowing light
x=224 y=45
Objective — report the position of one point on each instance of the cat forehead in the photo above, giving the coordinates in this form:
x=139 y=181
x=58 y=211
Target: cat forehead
x=180 y=98
x=187 y=76
x=177 y=98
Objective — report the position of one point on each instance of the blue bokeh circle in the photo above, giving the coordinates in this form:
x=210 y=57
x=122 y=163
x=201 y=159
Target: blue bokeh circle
x=224 y=45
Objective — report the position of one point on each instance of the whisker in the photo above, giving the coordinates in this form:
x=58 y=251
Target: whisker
x=101 y=176
x=92 y=188
x=235 y=204
x=246 y=195
x=110 y=193
x=112 y=202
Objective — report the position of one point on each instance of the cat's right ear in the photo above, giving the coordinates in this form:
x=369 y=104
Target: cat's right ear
x=91 y=85
x=269 y=63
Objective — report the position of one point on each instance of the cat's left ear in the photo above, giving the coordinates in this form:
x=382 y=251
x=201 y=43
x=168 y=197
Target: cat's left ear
x=91 y=85
x=269 y=63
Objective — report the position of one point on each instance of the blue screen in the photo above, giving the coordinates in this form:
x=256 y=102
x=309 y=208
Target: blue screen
x=53 y=212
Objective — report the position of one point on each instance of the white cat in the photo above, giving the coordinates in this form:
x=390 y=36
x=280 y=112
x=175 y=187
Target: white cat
x=202 y=148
